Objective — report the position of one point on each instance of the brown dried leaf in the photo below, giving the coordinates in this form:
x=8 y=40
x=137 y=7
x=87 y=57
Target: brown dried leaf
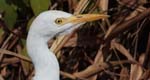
x=95 y=68
x=122 y=50
x=146 y=75
x=129 y=3
x=14 y=54
x=81 y=6
x=136 y=70
x=1 y=78
x=72 y=42
x=3 y=72
x=124 y=75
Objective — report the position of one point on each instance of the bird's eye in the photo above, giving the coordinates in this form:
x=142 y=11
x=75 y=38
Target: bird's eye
x=59 y=21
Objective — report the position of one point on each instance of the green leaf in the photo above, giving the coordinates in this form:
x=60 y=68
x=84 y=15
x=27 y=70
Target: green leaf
x=39 y=6
x=10 y=13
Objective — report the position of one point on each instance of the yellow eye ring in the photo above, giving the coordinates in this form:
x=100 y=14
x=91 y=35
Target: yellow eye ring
x=59 y=21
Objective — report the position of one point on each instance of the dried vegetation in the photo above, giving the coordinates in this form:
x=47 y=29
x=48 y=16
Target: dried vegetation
x=117 y=48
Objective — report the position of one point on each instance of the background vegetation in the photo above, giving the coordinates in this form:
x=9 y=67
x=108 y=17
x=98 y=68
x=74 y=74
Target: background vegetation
x=117 y=48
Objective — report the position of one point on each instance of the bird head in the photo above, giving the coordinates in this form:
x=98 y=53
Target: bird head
x=53 y=22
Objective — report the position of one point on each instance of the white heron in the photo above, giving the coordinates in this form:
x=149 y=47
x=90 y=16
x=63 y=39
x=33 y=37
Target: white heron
x=47 y=25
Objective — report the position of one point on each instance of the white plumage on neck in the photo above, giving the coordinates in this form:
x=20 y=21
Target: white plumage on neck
x=45 y=62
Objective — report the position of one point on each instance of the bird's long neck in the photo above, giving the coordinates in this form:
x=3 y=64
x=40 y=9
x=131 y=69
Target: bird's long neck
x=45 y=62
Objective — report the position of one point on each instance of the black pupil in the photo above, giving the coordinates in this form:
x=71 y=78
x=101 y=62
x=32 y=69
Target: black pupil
x=59 y=21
